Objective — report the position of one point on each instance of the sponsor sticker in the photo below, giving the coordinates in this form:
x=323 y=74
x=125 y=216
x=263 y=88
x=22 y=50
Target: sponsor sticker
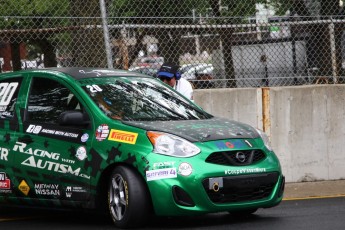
x=123 y=136
x=5 y=183
x=47 y=189
x=185 y=169
x=70 y=190
x=102 y=132
x=37 y=129
x=159 y=174
x=221 y=145
x=165 y=164
x=81 y=153
x=244 y=171
x=84 y=137
x=24 y=187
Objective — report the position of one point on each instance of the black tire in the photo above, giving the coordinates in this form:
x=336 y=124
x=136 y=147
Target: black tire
x=128 y=198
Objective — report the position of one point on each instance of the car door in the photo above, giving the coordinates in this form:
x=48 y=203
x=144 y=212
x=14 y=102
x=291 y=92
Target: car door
x=51 y=156
x=9 y=124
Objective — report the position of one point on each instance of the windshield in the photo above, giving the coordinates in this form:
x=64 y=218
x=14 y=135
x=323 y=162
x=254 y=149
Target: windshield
x=140 y=99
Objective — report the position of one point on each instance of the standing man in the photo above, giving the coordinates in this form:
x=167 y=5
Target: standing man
x=169 y=74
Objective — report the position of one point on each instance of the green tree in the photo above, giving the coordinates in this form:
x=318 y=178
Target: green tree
x=319 y=34
x=24 y=21
x=153 y=12
x=179 y=14
x=88 y=42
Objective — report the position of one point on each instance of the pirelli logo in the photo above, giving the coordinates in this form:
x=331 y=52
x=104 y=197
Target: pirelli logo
x=122 y=136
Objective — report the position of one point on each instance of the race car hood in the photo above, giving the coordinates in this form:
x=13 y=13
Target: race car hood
x=199 y=130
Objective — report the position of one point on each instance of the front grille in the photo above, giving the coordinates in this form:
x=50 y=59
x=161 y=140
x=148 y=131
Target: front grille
x=236 y=158
x=242 y=188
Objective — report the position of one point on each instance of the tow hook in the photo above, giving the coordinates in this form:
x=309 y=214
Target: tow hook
x=215 y=184
x=215 y=187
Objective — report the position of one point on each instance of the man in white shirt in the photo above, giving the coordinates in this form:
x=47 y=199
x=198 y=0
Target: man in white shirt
x=169 y=74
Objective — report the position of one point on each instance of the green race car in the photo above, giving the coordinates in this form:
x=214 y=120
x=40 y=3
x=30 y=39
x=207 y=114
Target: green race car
x=128 y=144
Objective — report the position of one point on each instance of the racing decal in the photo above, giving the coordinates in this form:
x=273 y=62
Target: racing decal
x=222 y=145
x=115 y=152
x=13 y=123
x=67 y=134
x=7 y=138
x=102 y=132
x=84 y=137
x=36 y=129
x=93 y=72
x=95 y=163
x=84 y=176
x=51 y=131
x=94 y=88
x=131 y=159
x=5 y=183
x=25 y=139
x=3 y=154
x=72 y=191
x=5 y=114
x=24 y=187
x=49 y=165
x=22 y=148
x=185 y=169
x=244 y=171
x=145 y=160
x=248 y=143
x=159 y=174
x=97 y=73
x=123 y=136
x=81 y=153
x=47 y=189
x=165 y=164
x=7 y=91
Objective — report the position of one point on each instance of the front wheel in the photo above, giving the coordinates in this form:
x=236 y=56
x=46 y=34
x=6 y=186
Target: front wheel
x=128 y=198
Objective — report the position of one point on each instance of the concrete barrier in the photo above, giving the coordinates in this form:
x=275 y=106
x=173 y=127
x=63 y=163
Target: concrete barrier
x=305 y=124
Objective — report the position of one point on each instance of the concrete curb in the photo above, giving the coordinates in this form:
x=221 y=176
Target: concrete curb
x=315 y=189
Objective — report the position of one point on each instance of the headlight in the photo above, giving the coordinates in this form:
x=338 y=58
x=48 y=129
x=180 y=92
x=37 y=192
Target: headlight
x=171 y=145
x=265 y=139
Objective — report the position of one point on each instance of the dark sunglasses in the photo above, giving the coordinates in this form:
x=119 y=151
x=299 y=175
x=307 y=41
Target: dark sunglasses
x=165 y=78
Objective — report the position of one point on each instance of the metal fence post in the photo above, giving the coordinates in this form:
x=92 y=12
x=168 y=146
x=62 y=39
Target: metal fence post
x=106 y=34
x=333 y=52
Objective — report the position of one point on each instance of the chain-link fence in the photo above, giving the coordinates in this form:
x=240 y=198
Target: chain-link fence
x=217 y=43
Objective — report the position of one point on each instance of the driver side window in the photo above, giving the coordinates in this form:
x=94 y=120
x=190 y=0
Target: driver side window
x=48 y=99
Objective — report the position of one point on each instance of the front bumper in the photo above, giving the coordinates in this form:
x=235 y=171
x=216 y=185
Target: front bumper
x=178 y=196
x=215 y=181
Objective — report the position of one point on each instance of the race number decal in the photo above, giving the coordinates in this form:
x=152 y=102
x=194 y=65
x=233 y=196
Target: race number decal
x=6 y=93
x=94 y=88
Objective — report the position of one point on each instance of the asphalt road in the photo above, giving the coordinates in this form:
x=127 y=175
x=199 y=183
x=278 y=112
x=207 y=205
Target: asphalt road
x=316 y=214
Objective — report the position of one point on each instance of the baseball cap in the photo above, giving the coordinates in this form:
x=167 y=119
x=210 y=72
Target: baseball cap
x=167 y=70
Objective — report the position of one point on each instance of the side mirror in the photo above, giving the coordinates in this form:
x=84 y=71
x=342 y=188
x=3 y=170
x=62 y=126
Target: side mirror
x=74 y=117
